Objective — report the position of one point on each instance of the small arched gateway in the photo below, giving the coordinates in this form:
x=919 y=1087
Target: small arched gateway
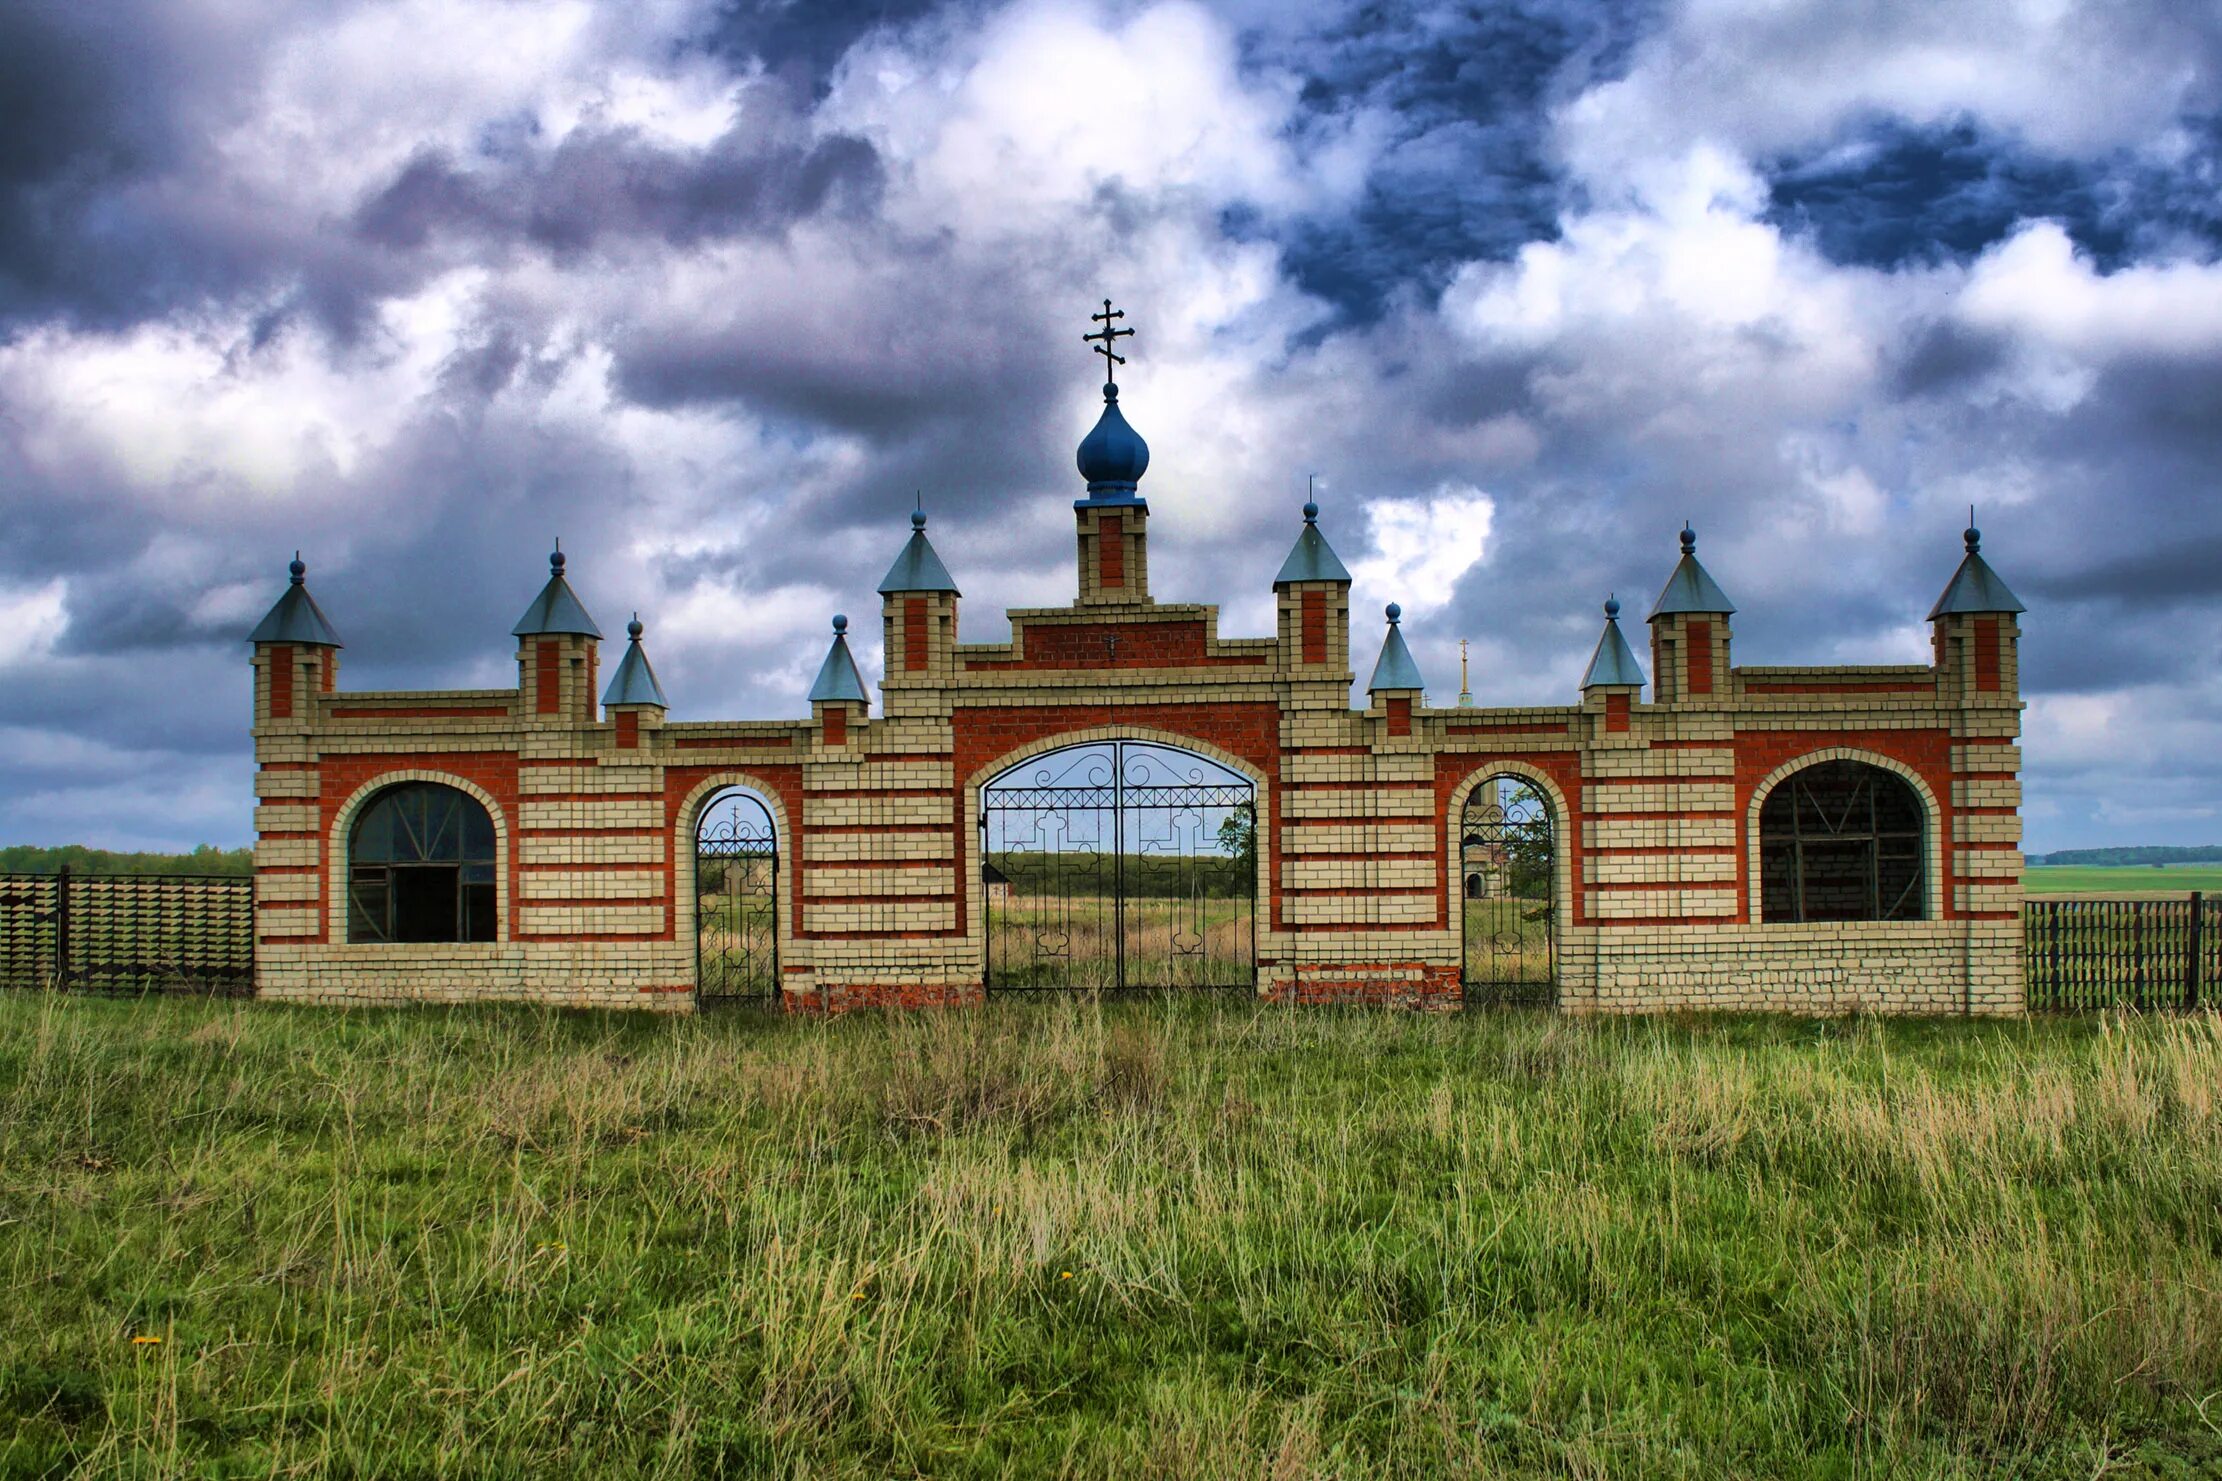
x=736 y=898
x=1508 y=851
x=1717 y=835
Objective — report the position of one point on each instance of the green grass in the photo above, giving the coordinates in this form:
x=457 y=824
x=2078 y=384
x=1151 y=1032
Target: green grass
x=1185 y=1238
x=2099 y=879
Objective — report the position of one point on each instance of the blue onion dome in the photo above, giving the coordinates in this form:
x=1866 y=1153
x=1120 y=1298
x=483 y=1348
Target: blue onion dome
x=1113 y=456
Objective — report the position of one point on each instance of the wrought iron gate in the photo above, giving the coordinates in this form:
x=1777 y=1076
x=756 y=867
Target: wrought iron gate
x=1121 y=864
x=1508 y=876
x=736 y=885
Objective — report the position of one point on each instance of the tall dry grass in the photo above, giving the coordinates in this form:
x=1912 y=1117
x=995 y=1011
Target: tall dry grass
x=1183 y=1238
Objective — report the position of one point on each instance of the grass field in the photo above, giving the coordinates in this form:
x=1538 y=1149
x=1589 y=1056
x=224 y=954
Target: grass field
x=2083 y=879
x=1165 y=1239
x=1072 y=941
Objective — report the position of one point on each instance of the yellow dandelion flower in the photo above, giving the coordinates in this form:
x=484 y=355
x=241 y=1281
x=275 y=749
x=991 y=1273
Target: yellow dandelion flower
x=144 y=1341
x=1068 y=1275
x=856 y=1296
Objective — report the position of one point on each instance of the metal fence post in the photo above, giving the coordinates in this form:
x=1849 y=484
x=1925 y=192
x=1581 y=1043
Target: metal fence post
x=2192 y=967
x=61 y=927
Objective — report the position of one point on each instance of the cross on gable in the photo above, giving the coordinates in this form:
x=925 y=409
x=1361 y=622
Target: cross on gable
x=1109 y=337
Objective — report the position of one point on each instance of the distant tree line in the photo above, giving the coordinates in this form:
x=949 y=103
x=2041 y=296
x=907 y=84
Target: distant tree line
x=1076 y=873
x=24 y=858
x=2210 y=853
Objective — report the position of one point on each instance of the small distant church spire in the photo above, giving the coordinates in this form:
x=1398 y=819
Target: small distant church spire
x=1465 y=695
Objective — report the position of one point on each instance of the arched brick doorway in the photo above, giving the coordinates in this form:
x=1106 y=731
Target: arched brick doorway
x=1507 y=868
x=736 y=886
x=1119 y=864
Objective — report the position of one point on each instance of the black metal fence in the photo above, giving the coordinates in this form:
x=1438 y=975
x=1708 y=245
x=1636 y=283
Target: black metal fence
x=133 y=933
x=127 y=933
x=2081 y=955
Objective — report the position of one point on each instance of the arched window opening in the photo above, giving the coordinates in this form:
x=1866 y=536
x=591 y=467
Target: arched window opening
x=420 y=867
x=1843 y=840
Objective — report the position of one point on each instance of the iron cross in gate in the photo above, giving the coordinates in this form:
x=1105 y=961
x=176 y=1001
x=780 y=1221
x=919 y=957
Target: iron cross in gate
x=1110 y=337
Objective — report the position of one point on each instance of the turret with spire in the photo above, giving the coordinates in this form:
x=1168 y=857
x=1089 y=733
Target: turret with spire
x=1113 y=520
x=1312 y=591
x=558 y=653
x=635 y=700
x=837 y=695
x=1974 y=629
x=918 y=613
x=1396 y=684
x=296 y=652
x=1689 y=630
x=1614 y=680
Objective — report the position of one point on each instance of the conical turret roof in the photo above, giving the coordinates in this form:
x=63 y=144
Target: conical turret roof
x=918 y=568
x=1312 y=559
x=1975 y=587
x=838 y=681
x=1394 y=669
x=295 y=617
x=1614 y=663
x=1690 y=588
x=635 y=680
x=555 y=610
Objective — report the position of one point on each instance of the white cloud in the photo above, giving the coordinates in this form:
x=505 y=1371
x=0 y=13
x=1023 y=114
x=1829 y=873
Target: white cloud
x=1758 y=76
x=2036 y=286
x=1009 y=128
x=1422 y=546
x=32 y=619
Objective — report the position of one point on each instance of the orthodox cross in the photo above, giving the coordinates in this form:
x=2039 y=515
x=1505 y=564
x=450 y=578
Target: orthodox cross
x=1110 y=337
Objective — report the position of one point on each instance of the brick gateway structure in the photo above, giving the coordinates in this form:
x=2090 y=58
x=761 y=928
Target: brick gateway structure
x=1805 y=839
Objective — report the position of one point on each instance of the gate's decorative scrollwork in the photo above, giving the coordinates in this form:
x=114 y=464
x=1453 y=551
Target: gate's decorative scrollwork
x=736 y=873
x=1121 y=864
x=1508 y=875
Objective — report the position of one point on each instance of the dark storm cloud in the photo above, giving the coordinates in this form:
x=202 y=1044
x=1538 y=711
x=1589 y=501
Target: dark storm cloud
x=759 y=177
x=806 y=38
x=1941 y=358
x=1466 y=90
x=1898 y=194
x=109 y=212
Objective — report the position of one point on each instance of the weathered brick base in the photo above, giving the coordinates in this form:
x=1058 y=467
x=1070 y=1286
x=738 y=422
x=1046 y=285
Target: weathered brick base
x=854 y=997
x=1363 y=984
x=571 y=975
x=1922 y=967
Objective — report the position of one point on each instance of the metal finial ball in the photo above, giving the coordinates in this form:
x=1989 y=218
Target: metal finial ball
x=918 y=519
x=1311 y=512
x=296 y=568
x=633 y=629
x=1974 y=538
x=840 y=623
x=1396 y=613
x=1110 y=390
x=555 y=563
x=1612 y=609
x=1689 y=541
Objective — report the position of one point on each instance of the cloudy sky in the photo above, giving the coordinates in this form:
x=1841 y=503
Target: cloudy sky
x=708 y=290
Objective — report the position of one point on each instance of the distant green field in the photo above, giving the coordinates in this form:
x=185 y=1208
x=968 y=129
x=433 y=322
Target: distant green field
x=2087 y=879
